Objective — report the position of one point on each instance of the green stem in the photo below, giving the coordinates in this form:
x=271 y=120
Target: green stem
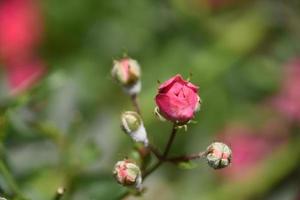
x=165 y=154
x=135 y=104
x=170 y=141
x=187 y=157
x=152 y=169
x=155 y=151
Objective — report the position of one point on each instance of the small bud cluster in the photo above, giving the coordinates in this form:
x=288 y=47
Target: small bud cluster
x=177 y=101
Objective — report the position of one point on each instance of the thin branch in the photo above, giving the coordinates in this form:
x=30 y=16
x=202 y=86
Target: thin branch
x=135 y=103
x=152 y=169
x=186 y=157
x=155 y=151
x=170 y=141
x=165 y=154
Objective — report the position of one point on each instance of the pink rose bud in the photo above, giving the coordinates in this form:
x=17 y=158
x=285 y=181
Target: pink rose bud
x=127 y=173
x=127 y=72
x=218 y=155
x=177 y=100
x=132 y=124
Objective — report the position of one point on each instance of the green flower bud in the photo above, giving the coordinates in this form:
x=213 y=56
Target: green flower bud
x=132 y=124
x=127 y=173
x=127 y=72
x=218 y=155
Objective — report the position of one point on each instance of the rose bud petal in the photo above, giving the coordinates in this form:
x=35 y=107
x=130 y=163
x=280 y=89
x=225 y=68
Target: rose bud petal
x=127 y=173
x=127 y=72
x=218 y=155
x=177 y=100
x=132 y=124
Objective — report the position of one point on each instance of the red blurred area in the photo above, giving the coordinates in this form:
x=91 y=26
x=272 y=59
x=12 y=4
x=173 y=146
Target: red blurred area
x=21 y=26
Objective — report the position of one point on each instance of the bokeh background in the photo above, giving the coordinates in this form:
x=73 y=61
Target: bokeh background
x=59 y=107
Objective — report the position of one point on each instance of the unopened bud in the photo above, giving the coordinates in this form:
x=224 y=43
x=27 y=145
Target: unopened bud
x=218 y=155
x=132 y=124
x=127 y=72
x=127 y=173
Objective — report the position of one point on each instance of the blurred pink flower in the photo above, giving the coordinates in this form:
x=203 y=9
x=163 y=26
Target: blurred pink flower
x=287 y=102
x=23 y=75
x=21 y=28
x=248 y=147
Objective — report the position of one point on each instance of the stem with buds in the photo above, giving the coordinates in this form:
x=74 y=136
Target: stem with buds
x=161 y=157
x=218 y=155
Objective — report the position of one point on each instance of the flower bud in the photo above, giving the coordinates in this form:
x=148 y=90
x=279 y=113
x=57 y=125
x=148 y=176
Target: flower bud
x=132 y=124
x=127 y=173
x=218 y=155
x=127 y=72
x=178 y=100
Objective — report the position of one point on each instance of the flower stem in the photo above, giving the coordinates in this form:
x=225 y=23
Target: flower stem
x=155 y=151
x=135 y=103
x=187 y=157
x=165 y=154
x=170 y=141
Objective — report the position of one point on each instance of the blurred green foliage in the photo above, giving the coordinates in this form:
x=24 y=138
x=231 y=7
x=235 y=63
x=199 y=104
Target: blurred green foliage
x=66 y=131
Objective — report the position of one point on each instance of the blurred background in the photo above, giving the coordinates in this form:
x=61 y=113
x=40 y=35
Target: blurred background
x=59 y=107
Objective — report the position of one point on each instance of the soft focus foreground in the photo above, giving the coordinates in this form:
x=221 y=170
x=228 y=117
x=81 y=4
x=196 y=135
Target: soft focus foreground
x=59 y=120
